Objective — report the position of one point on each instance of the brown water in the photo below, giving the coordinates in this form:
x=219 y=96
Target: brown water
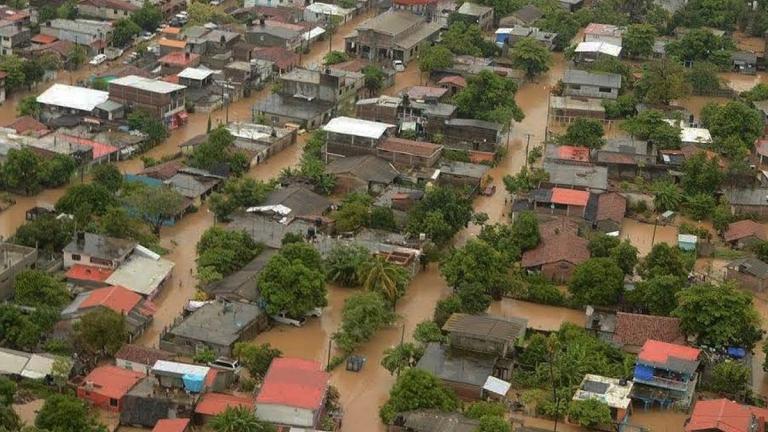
x=641 y=235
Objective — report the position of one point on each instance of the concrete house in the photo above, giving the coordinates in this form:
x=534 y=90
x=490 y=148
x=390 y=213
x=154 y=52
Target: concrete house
x=476 y=14
x=140 y=359
x=241 y=285
x=587 y=84
x=13 y=37
x=748 y=201
x=62 y=99
x=367 y=174
x=591 y=178
x=347 y=136
x=744 y=62
x=507 y=37
x=163 y=100
x=744 y=233
x=319 y=12
x=627 y=158
x=565 y=108
x=603 y=33
x=471 y=134
x=268 y=33
x=106 y=386
x=93 y=35
x=488 y=334
x=750 y=273
x=456 y=173
x=17 y=258
x=393 y=35
x=97 y=250
x=409 y=153
x=137 y=311
x=592 y=51
x=524 y=16
x=106 y=9
x=613 y=392
x=666 y=374
x=293 y=393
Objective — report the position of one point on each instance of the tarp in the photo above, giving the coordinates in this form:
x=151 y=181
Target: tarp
x=643 y=372
x=193 y=383
x=736 y=352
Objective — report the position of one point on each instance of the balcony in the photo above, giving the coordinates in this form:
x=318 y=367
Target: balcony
x=667 y=383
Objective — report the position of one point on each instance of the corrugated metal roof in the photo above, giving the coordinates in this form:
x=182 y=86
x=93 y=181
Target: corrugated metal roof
x=73 y=97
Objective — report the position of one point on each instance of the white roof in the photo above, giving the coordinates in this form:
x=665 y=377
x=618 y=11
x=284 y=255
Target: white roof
x=180 y=368
x=687 y=238
x=599 y=47
x=73 y=97
x=611 y=391
x=315 y=32
x=140 y=274
x=143 y=251
x=496 y=386
x=195 y=73
x=12 y=362
x=325 y=8
x=357 y=127
x=38 y=367
x=148 y=84
x=277 y=208
x=695 y=135
x=249 y=131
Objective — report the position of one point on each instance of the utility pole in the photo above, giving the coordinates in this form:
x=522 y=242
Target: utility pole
x=527 y=144
x=226 y=101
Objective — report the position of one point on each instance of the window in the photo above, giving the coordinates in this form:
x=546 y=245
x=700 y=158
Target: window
x=100 y=261
x=112 y=402
x=605 y=90
x=116 y=12
x=575 y=87
x=76 y=257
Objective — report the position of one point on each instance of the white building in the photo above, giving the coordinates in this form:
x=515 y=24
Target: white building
x=71 y=99
x=319 y=12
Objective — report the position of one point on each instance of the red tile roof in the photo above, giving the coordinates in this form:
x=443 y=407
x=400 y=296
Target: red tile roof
x=691 y=150
x=636 y=329
x=118 y=299
x=570 y=197
x=611 y=206
x=410 y=147
x=215 y=403
x=280 y=56
x=88 y=273
x=112 y=381
x=660 y=352
x=171 y=425
x=564 y=246
x=725 y=416
x=414 y=2
x=421 y=92
x=112 y=4
x=99 y=149
x=28 y=125
x=556 y=226
x=566 y=152
x=456 y=80
x=294 y=382
x=163 y=171
x=179 y=58
x=476 y=156
x=744 y=228
x=143 y=355
x=172 y=43
x=44 y=39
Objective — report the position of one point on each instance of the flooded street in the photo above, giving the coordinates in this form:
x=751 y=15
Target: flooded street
x=642 y=235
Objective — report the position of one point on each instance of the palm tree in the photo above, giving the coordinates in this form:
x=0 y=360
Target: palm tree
x=666 y=196
x=239 y=419
x=379 y=275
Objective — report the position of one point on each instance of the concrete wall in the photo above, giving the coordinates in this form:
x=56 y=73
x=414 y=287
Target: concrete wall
x=590 y=91
x=133 y=366
x=281 y=414
x=20 y=258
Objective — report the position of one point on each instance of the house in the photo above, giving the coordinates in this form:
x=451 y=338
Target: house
x=172 y=45
x=744 y=62
x=585 y=177
x=393 y=35
x=241 y=285
x=320 y=12
x=163 y=100
x=31 y=366
x=270 y=33
x=581 y=83
x=112 y=10
x=568 y=153
x=172 y=425
x=193 y=186
x=17 y=258
x=138 y=312
x=744 y=233
x=293 y=393
x=566 y=108
x=525 y=16
x=431 y=420
x=28 y=126
x=106 y=386
x=308 y=97
x=557 y=255
x=176 y=61
x=609 y=214
x=167 y=7
x=213 y=404
x=456 y=173
x=283 y=59
x=723 y=415
x=489 y=334
x=470 y=66
x=139 y=358
x=592 y=51
x=665 y=373
x=507 y=37
x=217 y=326
x=143 y=274
x=367 y=174
x=632 y=331
x=613 y=392
x=91 y=34
x=62 y=99
x=347 y=136
x=471 y=134
x=148 y=403
x=745 y=202
x=409 y=153
x=750 y=273
x=260 y=142
x=627 y=158
x=183 y=376
x=97 y=250
x=476 y=14
x=560 y=201
x=464 y=372
x=453 y=83
x=603 y=33
x=194 y=77
x=14 y=36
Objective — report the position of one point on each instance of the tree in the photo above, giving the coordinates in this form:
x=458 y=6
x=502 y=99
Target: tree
x=494 y=424
x=435 y=57
x=701 y=45
x=401 y=357
x=33 y=72
x=361 y=317
x=584 y=133
x=389 y=280
x=66 y=414
x=467 y=39
x=489 y=97
x=37 y=288
x=473 y=297
x=625 y=256
x=663 y=81
x=123 y=33
x=666 y=196
x=107 y=175
x=650 y=125
x=561 y=22
x=57 y=170
x=373 y=79
x=730 y=377
x=13 y=66
x=597 y=282
x=478 y=410
x=291 y=287
x=216 y=150
x=445 y=308
x=47 y=233
x=476 y=263
x=703 y=78
x=700 y=205
x=67 y=10
x=21 y=170
x=721 y=14
x=101 y=331
x=225 y=251
x=657 y=295
x=637 y=41
x=354 y=212
x=525 y=181
x=702 y=174
x=664 y=260
x=531 y=56
x=428 y=331
x=28 y=106
x=734 y=126
x=9 y=420
x=146 y=123
x=155 y=205
x=239 y=419
x=601 y=245
x=335 y=57
x=718 y=315
x=589 y=413
x=344 y=264
x=440 y=214
x=504 y=239
x=256 y=358
x=76 y=56
x=382 y=218
x=148 y=17
x=417 y=389
x=757 y=93
x=7 y=390
x=237 y=193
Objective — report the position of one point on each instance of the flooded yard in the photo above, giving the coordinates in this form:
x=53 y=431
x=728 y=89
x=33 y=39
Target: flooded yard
x=643 y=236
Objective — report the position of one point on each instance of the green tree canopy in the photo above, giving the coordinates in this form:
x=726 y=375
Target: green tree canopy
x=226 y=251
x=601 y=245
x=428 y=331
x=61 y=413
x=362 y=316
x=489 y=97
x=239 y=419
x=664 y=260
x=637 y=41
x=417 y=389
x=123 y=32
x=28 y=106
x=148 y=17
x=702 y=174
x=657 y=295
x=663 y=81
x=256 y=358
x=85 y=200
x=666 y=196
x=734 y=126
x=435 y=57
x=47 y=233
x=584 y=132
x=597 y=281
x=701 y=45
x=290 y=286
x=650 y=125
x=625 y=256
x=335 y=57
x=730 y=377
x=467 y=39
x=107 y=175
x=589 y=413
x=440 y=214
x=345 y=262
x=388 y=279
x=237 y=193
x=155 y=205
x=531 y=56
x=476 y=263
x=21 y=170
x=704 y=78
x=721 y=14
x=101 y=331
x=36 y=288
x=373 y=79
x=401 y=357
x=148 y=124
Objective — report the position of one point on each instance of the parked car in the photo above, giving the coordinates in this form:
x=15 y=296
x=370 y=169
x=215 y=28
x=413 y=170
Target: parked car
x=226 y=363
x=147 y=36
x=398 y=65
x=98 y=59
x=316 y=312
x=283 y=318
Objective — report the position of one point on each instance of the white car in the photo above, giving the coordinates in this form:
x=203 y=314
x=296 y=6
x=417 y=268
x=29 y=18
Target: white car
x=216 y=2
x=98 y=59
x=283 y=318
x=398 y=65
